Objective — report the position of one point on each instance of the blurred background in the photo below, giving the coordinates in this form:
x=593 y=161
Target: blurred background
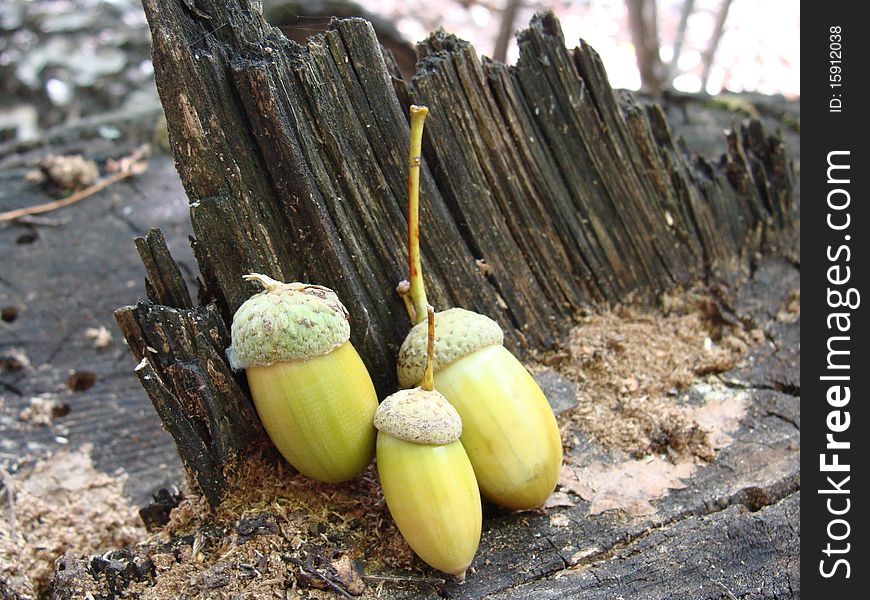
x=65 y=60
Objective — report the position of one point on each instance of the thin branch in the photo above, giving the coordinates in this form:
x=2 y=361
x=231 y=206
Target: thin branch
x=710 y=52
x=429 y=372
x=418 y=290
x=674 y=67
x=404 y=291
x=643 y=24
x=403 y=579
x=335 y=587
x=728 y=592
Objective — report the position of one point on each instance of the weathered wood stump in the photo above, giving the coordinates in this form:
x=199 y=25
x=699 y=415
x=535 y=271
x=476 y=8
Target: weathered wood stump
x=543 y=191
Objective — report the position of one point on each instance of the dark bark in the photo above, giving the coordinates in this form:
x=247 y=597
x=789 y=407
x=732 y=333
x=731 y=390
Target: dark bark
x=542 y=193
x=183 y=370
x=163 y=280
x=730 y=554
x=300 y=19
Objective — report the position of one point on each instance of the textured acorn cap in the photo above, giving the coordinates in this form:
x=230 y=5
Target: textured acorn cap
x=459 y=333
x=419 y=416
x=285 y=322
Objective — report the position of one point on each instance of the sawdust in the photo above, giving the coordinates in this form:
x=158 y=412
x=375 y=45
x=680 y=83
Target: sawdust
x=276 y=531
x=630 y=485
x=60 y=505
x=13 y=359
x=100 y=336
x=42 y=410
x=791 y=311
x=631 y=365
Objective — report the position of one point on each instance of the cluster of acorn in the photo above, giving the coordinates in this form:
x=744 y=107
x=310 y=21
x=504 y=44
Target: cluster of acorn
x=484 y=428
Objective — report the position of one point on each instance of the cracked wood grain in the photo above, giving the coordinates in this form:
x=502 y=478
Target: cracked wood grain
x=727 y=554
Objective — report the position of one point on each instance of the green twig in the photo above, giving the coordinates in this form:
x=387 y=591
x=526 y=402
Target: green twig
x=418 y=291
x=429 y=372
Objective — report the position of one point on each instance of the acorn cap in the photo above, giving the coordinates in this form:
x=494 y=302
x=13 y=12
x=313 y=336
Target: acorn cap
x=285 y=322
x=419 y=416
x=460 y=332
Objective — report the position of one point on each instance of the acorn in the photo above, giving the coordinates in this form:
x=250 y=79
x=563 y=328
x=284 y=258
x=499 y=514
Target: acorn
x=311 y=390
x=427 y=479
x=509 y=430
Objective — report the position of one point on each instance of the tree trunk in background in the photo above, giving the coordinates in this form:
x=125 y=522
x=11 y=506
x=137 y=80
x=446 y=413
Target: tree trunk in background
x=543 y=191
x=710 y=53
x=643 y=25
x=506 y=30
x=674 y=66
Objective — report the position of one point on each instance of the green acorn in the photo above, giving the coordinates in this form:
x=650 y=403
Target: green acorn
x=426 y=476
x=509 y=430
x=311 y=390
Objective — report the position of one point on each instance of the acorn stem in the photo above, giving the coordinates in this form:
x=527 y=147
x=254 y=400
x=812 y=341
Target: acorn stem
x=267 y=282
x=418 y=290
x=404 y=291
x=428 y=383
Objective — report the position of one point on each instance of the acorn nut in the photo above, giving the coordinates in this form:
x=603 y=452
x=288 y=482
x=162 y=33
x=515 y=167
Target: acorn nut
x=311 y=390
x=509 y=430
x=427 y=479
